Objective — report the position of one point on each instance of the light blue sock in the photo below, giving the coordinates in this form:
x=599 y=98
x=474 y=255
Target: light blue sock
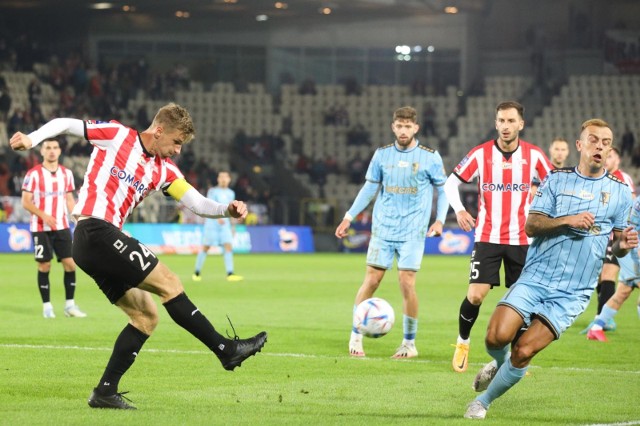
x=605 y=315
x=353 y=326
x=638 y=311
x=506 y=377
x=409 y=327
x=202 y=256
x=500 y=355
x=228 y=261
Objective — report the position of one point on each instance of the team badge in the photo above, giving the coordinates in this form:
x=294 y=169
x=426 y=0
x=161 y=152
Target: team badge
x=604 y=197
x=415 y=167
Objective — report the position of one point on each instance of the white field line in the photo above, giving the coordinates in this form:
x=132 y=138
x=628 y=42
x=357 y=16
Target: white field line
x=294 y=355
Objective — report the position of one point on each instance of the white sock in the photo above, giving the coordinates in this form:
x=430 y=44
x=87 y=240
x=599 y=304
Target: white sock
x=69 y=303
x=47 y=305
x=464 y=341
x=410 y=343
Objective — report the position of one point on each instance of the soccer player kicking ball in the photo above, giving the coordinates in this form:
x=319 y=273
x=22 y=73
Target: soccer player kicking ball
x=125 y=167
x=571 y=217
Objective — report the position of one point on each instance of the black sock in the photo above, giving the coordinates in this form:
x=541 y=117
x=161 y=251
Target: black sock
x=125 y=350
x=187 y=316
x=43 y=286
x=69 y=284
x=607 y=289
x=468 y=315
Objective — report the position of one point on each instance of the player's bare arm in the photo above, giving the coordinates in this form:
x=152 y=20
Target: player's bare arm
x=539 y=224
x=624 y=241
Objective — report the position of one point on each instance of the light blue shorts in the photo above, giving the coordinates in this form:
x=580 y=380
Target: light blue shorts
x=629 y=270
x=381 y=254
x=216 y=235
x=557 y=309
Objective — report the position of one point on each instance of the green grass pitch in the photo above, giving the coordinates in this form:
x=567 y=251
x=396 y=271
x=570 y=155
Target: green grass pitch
x=304 y=376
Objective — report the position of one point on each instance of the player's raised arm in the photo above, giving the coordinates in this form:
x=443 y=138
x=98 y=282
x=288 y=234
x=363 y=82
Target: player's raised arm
x=20 y=142
x=181 y=191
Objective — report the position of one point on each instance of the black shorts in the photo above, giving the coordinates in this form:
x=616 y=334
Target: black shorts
x=609 y=257
x=115 y=261
x=486 y=259
x=47 y=242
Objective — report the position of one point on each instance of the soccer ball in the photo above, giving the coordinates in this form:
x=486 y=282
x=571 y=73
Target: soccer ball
x=374 y=317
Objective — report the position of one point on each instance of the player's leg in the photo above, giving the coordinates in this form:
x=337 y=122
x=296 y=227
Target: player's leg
x=410 y=256
x=143 y=318
x=43 y=253
x=514 y=259
x=226 y=240
x=537 y=337
x=484 y=273
x=200 y=258
x=609 y=311
x=62 y=246
x=379 y=258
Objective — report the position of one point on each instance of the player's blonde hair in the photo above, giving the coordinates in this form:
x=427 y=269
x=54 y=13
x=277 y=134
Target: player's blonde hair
x=175 y=117
x=598 y=122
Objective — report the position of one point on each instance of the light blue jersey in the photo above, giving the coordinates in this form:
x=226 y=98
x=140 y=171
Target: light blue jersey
x=571 y=260
x=217 y=232
x=402 y=209
x=630 y=264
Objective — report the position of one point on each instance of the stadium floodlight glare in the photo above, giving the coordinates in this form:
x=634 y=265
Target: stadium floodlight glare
x=101 y=6
x=431 y=49
x=403 y=49
x=417 y=49
x=261 y=18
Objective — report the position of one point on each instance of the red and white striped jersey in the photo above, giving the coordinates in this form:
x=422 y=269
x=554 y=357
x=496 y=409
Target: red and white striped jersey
x=49 y=195
x=120 y=174
x=504 y=182
x=623 y=176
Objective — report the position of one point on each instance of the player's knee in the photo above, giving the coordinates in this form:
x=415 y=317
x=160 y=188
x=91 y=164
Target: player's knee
x=521 y=355
x=44 y=266
x=145 y=320
x=496 y=338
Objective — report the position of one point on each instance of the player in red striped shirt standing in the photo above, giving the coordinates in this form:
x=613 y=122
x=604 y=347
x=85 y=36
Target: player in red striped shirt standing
x=125 y=167
x=505 y=169
x=47 y=193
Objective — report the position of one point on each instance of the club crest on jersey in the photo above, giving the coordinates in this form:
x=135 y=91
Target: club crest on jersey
x=604 y=197
x=415 y=167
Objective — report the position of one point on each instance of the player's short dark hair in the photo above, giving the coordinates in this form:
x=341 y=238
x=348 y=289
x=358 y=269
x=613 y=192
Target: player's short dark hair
x=176 y=117
x=51 y=140
x=406 y=113
x=511 y=104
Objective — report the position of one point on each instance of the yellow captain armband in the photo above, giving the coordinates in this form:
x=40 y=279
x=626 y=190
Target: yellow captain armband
x=178 y=188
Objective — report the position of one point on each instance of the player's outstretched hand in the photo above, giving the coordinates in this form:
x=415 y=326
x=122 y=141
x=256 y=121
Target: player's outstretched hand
x=237 y=209
x=20 y=142
x=343 y=228
x=629 y=238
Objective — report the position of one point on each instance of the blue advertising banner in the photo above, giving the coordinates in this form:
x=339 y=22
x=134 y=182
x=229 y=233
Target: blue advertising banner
x=185 y=238
x=452 y=241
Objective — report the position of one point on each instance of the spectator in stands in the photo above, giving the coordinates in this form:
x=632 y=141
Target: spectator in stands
x=35 y=93
x=5 y=104
x=628 y=141
x=308 y=87
x=351 y=86
x=358 y=135
x=428 y=120
x=357 y=169
x=302 y=164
